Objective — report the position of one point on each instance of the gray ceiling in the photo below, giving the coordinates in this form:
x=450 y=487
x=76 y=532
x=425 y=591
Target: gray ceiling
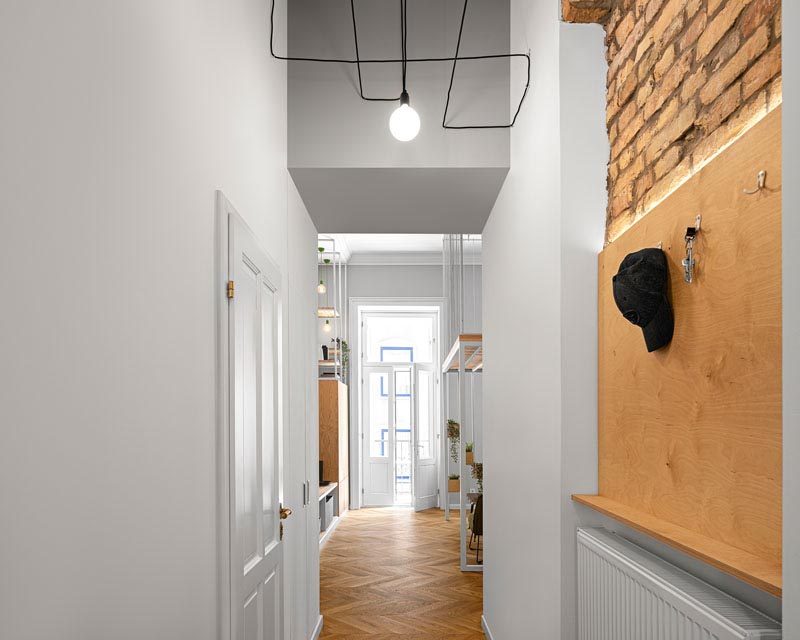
x=352 y=175
x=429 y=200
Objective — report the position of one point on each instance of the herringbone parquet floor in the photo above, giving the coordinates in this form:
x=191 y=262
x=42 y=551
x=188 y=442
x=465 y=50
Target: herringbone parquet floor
x=392 y=573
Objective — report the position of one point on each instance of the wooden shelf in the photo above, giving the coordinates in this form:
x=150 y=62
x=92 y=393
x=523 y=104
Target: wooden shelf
x=324 y=490
x=473 y=353
x=327 y=312
x=759 y=572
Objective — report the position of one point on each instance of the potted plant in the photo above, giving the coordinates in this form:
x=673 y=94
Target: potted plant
x=470 y=446
x=453 y=435
x=477 y=473
x=453 y=484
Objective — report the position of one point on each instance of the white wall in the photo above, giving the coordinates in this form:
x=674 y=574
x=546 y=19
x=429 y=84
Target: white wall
x=394 y=281
x=119 y=120
x=302 y=529
x=791 y=322
x=521 y=317
x=584 y=152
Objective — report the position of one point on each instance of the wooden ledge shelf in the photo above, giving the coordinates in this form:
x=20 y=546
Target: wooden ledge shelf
x=473 y=354
x=759 y=572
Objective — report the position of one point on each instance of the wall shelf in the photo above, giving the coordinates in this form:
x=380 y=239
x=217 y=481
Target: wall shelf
x=472 y=354
x=758 y=572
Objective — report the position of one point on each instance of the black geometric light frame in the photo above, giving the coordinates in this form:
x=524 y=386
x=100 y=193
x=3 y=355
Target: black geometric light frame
x=404 y=60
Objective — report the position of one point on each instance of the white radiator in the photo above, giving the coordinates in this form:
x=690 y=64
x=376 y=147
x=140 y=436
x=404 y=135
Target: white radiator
x=626 y=593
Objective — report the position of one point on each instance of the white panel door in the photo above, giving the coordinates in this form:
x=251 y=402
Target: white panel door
x=256 y=549
x=424 y=438
x=377 y=393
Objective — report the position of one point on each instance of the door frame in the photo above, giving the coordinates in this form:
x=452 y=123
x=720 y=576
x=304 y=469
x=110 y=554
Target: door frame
x=224 y=210
x=355 y=308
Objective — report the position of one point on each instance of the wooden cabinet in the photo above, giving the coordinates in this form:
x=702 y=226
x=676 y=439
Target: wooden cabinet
x=334 y=440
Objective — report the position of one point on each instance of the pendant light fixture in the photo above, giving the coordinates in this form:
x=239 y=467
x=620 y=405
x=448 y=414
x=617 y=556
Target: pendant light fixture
x=321 y=288
x=404 y=121
x=327 y=326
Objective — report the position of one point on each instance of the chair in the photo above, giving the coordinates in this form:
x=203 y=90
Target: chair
x=477 y=528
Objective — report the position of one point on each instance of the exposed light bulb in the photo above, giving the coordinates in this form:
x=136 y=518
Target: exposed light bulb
x=321 y=288
x=404 y=122
x=327 y=326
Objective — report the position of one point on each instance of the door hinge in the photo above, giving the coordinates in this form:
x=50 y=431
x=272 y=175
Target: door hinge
x=230 y=289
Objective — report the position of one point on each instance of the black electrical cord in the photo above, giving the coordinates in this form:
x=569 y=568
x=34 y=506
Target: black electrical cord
x=358 y=59
x=450 y=88
x=403 y=39
x=404 y=60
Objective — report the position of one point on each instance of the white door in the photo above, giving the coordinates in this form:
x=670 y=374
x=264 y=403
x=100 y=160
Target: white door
x=424 y=438
x=377 y=393
x=256 y=550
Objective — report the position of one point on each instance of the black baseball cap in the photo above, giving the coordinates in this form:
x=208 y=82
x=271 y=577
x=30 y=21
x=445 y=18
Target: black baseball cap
x=640 y=291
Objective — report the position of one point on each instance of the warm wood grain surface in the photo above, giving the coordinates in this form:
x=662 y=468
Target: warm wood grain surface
x=392 y=573
x=758 y=572
x=333 y=436
x=691 y=434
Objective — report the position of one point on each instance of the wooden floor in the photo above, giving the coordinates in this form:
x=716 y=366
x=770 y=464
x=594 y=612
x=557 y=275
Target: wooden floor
x=392 y=573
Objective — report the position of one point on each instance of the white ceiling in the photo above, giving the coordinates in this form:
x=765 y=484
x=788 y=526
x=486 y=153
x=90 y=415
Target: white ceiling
x=392 y=242
x=394 y=248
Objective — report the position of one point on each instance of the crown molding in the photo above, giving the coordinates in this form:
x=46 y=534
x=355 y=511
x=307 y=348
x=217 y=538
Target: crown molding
x=407 y=258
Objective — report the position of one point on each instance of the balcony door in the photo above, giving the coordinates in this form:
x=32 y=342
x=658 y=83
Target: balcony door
x=399 y=410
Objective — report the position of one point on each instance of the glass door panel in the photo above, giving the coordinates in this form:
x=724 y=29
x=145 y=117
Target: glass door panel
x=403 y=426
x=378 y=450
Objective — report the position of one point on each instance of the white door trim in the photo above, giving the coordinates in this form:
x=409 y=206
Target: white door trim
x=356 y=481
x=224 y=211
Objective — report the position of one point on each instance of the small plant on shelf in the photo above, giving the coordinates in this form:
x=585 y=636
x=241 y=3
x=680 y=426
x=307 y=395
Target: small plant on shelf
x=453 y=435
x=453 y=485
x=477 y=473
x=470 y=448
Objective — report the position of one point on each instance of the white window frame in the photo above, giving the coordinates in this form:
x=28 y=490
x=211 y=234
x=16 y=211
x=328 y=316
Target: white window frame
x=358 y=306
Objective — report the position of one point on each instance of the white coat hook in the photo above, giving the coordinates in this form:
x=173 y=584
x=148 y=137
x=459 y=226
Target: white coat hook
x=688 y=262
x=762 y=180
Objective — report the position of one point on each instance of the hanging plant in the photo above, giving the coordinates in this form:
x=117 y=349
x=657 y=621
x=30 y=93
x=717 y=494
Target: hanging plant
x=453 y=435
x=477 y=473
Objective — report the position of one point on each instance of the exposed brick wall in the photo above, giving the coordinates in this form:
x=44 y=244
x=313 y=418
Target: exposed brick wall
x=685 y=77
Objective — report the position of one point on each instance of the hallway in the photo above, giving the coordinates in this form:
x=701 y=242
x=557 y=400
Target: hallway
x=390 y=573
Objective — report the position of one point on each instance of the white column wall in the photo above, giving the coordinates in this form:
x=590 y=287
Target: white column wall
x=522 y=335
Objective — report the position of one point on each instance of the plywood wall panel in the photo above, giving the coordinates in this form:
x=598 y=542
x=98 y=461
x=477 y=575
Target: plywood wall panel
x=691 y=434
x=334 y=442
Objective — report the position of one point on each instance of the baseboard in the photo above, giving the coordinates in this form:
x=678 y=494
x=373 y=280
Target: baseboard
x=317 y=630
x=486 y=630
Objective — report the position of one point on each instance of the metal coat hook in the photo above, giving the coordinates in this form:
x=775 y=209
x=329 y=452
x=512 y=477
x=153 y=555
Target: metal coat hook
x=762 y=180
x=688 y=262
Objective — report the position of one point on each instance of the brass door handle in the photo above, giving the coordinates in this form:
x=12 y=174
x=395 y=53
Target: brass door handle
x=285 y=512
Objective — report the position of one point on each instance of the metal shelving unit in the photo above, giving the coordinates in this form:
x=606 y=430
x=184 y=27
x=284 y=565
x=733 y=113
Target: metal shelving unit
x=332 y=305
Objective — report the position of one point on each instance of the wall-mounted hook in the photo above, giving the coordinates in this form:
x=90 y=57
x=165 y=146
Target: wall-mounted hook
x=688 y=262
x=762 y=180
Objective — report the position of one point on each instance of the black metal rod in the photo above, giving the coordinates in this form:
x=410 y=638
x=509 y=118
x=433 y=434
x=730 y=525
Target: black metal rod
x=404 y=60
x=358 y=61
